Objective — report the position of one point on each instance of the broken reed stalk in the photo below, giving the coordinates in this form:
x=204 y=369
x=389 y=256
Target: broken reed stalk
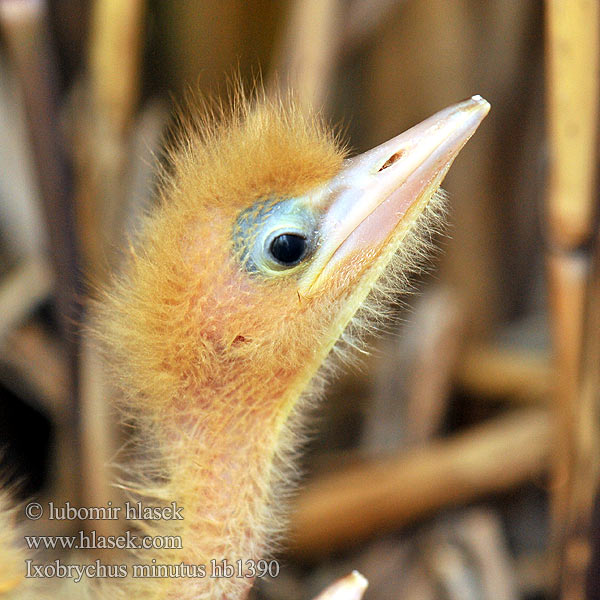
x=573 y=45
x=351 y=587
x=376 y=495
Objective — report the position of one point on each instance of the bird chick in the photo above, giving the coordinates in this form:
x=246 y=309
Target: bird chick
x=265 y=243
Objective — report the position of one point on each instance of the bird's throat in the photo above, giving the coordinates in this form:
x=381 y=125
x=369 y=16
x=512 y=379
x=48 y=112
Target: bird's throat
x=226 y=470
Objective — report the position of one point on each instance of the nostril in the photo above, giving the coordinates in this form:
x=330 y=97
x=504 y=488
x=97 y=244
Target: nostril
x=392 y=159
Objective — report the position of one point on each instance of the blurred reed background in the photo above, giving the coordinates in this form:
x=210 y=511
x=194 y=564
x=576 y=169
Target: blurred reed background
x=461 y=460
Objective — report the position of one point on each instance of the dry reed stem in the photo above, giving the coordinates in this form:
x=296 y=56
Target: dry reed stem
x=114 y=63
x=579 y=546
x=573 y=45
x=115 y=55
x=492 y=372
x=39 y=360
x=308 y=51
x=21 y=291
x=384 y=494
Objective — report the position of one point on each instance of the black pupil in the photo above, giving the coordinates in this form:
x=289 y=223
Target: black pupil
x=288 y=248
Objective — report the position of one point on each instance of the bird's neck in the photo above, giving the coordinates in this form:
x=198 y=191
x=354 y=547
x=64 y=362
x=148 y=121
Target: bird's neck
x=224 y=447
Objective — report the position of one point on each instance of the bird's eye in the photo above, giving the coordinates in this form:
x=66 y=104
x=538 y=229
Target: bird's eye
x=273 y=237
x=288 y=249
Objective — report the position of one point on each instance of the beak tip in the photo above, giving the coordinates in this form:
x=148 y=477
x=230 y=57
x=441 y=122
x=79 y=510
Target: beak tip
x=480 y=103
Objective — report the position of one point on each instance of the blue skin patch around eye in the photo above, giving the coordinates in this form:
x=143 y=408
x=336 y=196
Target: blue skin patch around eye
x=267 y=218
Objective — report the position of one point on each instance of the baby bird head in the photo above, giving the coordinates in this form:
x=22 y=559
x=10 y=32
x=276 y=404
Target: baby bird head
x=265 y=243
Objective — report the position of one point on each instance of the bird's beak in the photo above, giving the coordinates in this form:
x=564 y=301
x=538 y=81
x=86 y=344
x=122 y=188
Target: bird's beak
x=376 y=193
